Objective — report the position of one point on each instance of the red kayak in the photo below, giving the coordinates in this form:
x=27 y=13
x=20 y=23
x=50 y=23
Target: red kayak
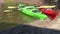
x=49 y=12
x=59 y=11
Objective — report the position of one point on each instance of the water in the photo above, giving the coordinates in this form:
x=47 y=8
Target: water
x=14 y=18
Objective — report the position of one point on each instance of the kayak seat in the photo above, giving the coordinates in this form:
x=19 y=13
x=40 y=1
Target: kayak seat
x=35 y=11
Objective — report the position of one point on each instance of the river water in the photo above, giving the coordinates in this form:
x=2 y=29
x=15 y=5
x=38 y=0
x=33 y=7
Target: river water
x=14 y=18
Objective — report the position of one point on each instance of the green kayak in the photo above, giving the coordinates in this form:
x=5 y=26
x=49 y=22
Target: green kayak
x=31 y=11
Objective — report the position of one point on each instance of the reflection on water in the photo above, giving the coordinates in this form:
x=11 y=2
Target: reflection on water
x=27 y=18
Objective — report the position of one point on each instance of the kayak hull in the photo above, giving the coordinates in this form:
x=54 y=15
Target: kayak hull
x=50 y=13
x=33 y=11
